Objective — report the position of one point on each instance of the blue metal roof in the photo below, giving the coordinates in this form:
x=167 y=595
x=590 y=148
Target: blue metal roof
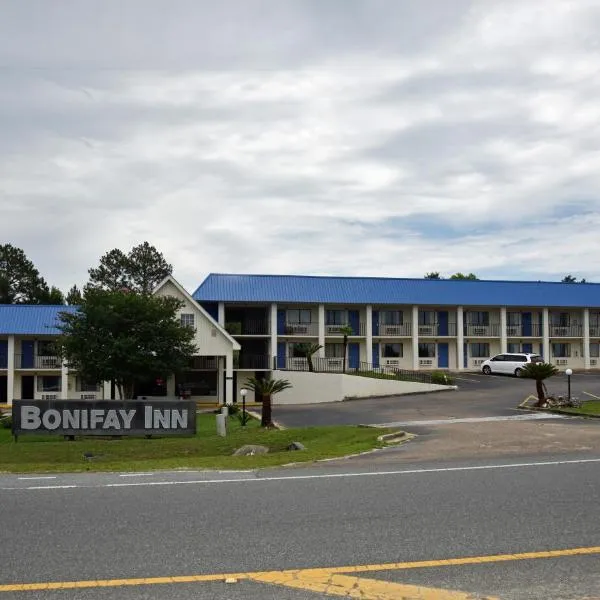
x=31 y=319
x=381 y=291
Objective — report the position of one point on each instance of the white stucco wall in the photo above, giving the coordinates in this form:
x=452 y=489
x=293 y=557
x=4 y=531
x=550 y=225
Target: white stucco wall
x=311 y=388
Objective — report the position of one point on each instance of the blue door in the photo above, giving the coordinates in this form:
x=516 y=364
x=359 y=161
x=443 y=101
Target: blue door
x=353 y=321
x=443 y=324
x=375 y=322
x=27 y=352
x=3 y=354
x=281 y=322
x=528 y=348
x=375 y=355
x=353 y=356
x=443 y=355
x=281 y=355
x=526 y=323
x=466 y=355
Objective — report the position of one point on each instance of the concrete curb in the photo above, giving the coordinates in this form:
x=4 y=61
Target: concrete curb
x=557 y=411
x=258 y=416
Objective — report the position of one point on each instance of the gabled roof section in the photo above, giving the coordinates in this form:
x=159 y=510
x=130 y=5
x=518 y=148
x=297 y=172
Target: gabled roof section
x=220 y=287
x=31 y=319
x=170 y=279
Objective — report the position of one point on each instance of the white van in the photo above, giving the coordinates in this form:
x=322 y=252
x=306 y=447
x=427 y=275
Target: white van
x=509 y=364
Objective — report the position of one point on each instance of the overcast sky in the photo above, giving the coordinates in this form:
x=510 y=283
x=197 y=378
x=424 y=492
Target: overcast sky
x=374 y=137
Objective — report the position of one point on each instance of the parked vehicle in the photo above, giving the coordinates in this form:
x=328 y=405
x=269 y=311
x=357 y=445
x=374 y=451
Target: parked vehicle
x=509 y=364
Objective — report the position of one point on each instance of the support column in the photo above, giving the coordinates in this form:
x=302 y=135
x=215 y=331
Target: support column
x=171 y=391
x=415 y=337
x=460 y=339
x=229 y=378
x=321 y=325
x=64 y=382
x=586 y=338
x=546 y=334
x=503 y=340
x=220 y=380
x=369 y=334
x=106 y=395
x=221 y=314
x=273 y=330
x=10 y=383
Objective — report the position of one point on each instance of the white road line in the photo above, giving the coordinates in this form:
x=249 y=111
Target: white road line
x=45 y=477
x=136 y=474
x=527 y=417
x=323 y=476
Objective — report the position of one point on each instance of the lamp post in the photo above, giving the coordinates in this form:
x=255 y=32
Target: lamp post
x=568 y=373
x=243 y=393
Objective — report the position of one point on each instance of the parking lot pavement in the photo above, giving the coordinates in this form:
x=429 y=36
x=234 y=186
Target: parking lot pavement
x=478 y=395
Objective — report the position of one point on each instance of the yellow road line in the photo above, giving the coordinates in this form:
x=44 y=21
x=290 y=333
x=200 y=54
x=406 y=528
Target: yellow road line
x=304 y=573
x=324 y=582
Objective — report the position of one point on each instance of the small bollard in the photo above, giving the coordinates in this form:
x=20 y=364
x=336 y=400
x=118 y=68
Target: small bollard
x=221 y=427
x=225 y=410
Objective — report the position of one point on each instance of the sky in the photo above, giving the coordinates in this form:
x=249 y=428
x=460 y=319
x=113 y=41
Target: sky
x=324 y=137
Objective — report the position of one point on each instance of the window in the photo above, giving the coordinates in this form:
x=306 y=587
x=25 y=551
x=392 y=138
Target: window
x=426 y=350
x=392 y=350
x=560 y=319
x=561 y=350
x=391 y=317
x=335 y=317
x=479 y=317
x=513 y=348
x=334 y=350
x=187 y=319
x=594 y=319
x=513 y=319
x=86 y=386
x=49 y=383
x=480 y=350
x=595 y=350
x=426 y=317
x=298 y=315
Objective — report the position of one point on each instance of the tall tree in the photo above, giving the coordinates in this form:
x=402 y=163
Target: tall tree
x=570 y=279
x=55 y=296
x=20 y=281
x=125 y=338
x=74 y=297
x=469 y=277
x=140 y=270
x=432 y=275
x=346 y=330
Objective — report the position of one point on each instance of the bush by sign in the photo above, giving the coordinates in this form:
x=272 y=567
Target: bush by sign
x=104 y=417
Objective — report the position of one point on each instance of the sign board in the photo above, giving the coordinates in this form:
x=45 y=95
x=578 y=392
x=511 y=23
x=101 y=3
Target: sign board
x=104 y=417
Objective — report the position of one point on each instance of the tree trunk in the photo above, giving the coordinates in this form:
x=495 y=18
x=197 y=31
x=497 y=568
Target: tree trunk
x=310 y=363
x=345 y=350
x=539 y=386
x=266 y=418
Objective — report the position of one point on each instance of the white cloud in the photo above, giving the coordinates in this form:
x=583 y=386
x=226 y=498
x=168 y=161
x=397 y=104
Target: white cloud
x=304 y=140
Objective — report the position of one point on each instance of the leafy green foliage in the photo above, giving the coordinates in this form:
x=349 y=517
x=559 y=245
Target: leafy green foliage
x=539 y=372
x=20 y=281
x=125 y=337
x=139 y=271
x=308 y=349
x=432 y=275
x=469 y=277
x=441 y=378
x=74 y=297
x=266 y=388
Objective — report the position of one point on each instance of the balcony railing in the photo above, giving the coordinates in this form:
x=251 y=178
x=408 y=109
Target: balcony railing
x=248 y=327
x=25 y=361
x=301 y=329
x=403 y=330
x=204 y=363
x=567 y=331
x=254 y=362
x=358 y=329
x=532 y=330
x=437 y=330
x=594 y=332
x=482 y=330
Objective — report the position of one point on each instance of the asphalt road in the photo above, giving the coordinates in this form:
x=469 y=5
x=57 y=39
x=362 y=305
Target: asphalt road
x=478 y=396
x=96 y=527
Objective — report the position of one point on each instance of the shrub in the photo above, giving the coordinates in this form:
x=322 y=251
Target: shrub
x=440 y=378
x=6 y=421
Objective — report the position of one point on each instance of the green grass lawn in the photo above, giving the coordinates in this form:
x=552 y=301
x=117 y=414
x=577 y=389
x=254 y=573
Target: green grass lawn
x=588 y=408
x=206 y=450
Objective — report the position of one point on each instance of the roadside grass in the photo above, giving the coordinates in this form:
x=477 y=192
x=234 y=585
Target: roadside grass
x=589 y=408
x=206 y=450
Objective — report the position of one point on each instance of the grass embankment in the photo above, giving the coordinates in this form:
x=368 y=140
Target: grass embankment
x=37 y=454
x=589 y=408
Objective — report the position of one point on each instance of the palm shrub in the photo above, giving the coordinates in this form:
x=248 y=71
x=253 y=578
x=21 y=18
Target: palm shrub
x=346 y=330
x=308 y=350
x=539 y=372
x=266 y=389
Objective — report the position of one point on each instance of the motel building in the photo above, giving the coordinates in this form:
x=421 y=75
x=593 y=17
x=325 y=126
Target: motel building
x=251 y=325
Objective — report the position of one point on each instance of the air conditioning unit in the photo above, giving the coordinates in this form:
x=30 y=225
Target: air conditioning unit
x=49 y=362
x=426 y=362
x=562 y=361
x=391 y=330
x=392 y=362
x=297 y=329
x=49 y=396
x=334 y=328
x=478 y=362
x=87 y=397
x=560 y=331
x=593 y=362
x=513 y=331
x=426 y=329
x=479 y=331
